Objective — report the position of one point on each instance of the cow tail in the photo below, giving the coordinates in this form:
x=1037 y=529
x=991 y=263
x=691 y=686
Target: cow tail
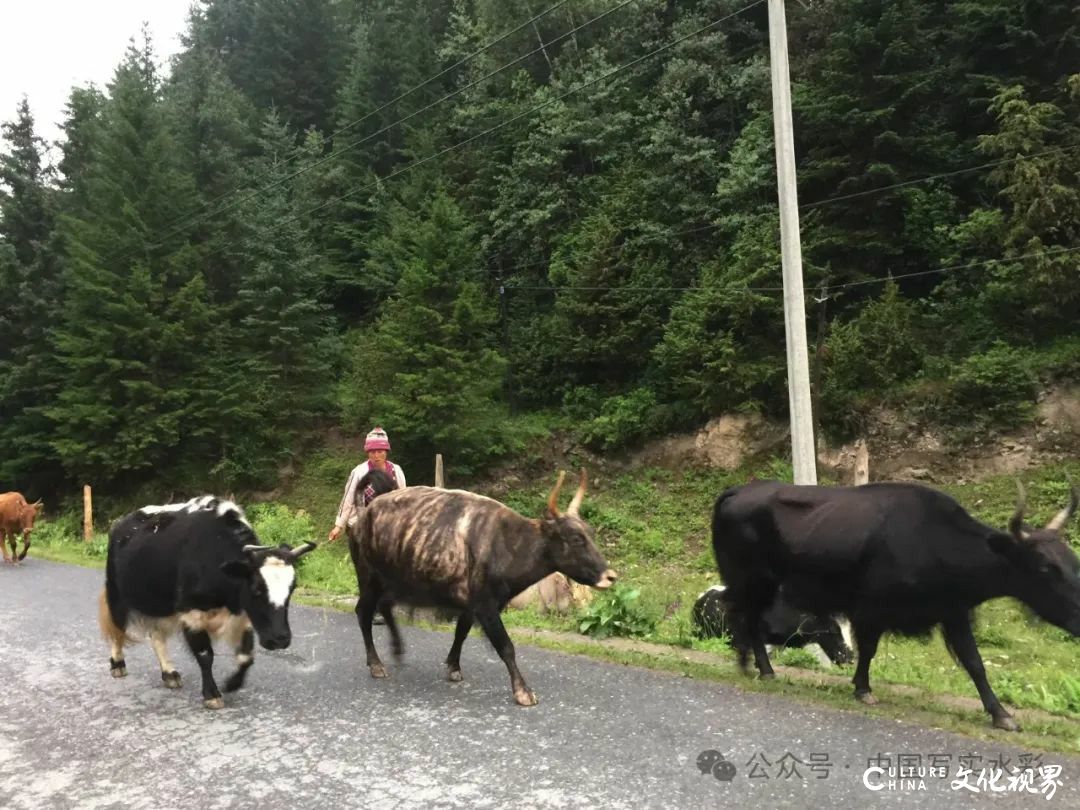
x=112 y=611
x=109 y=630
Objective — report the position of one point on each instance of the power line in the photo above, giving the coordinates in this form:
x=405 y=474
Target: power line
x=618 y=250
x=526 y=113
x=338 y=152
x=827 y=288
x=905 y=183
x=464 y=60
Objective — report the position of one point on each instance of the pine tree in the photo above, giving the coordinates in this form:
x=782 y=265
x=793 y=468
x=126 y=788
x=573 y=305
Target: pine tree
x=429 y=370
x=132 y=339
x=30 y=279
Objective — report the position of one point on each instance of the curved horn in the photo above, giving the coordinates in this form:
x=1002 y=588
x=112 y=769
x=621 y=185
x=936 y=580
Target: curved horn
x=553 y=498
x=1016 y=522
x=38 y=503
x=253 y=549
x=579 y=496
x=300 y=551
x=1062 y=517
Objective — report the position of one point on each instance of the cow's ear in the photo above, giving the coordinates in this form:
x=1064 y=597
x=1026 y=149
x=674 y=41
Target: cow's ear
x=1003 y=543
x=238 y=569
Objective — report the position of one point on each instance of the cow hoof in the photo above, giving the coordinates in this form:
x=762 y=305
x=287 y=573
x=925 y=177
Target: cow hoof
x=866 y=698
x=454 y=675
x=214 y=703
x=525 y=697
x=768 y=676
x=378 y=671
x=1006 y=723
x=118 y=672
x=171 y=679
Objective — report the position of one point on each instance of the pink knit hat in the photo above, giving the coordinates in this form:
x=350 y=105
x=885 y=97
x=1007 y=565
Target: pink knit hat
x=377 y=440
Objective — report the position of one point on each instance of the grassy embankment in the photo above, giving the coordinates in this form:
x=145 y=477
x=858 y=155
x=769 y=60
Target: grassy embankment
x=653 y=526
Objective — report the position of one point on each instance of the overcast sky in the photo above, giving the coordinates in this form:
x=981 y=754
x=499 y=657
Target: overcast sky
x=48 y=46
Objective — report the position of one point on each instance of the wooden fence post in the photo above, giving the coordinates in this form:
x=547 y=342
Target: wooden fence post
x=438 y=471
x=862 y=463
x=88 y=514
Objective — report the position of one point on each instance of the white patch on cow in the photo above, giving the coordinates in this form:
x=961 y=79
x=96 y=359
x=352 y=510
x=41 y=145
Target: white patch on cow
x=228 y=507
x=243 y=658
x=845 y=631
x=279 y=577
x=210 y=621
x=717 y=588
x=172 y=507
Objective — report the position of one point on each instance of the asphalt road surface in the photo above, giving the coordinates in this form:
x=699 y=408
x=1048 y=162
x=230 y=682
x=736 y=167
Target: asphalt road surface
x=313 y=729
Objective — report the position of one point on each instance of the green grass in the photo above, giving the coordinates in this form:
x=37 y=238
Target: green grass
x=653 y=527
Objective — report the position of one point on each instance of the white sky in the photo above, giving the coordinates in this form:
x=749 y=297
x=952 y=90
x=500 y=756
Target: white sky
x=49 y=46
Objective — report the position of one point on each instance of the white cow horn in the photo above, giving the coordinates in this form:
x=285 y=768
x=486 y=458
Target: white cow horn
x=300 y=551
x=253 y=549
x=1016 y=522
x=1062 y=517
x=579 y=496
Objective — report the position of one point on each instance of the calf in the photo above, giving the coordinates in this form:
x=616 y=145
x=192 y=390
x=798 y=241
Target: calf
x=16 y=517
x=783 y=625
x=892 y=557
x=458 y=550
x=196 y=566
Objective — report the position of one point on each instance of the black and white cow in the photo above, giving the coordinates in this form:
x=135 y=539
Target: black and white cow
x=714 y=615
x=198 y=567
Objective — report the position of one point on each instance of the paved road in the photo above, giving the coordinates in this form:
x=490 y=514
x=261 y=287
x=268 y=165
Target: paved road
x=314 y=730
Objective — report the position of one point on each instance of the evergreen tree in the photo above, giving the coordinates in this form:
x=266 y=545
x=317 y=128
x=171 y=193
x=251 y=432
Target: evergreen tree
x=29 y=277
x=429 y=368
x=132 y=338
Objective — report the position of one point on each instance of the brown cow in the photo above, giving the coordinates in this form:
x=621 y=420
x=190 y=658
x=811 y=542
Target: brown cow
x=459 y=550
x=16 y=515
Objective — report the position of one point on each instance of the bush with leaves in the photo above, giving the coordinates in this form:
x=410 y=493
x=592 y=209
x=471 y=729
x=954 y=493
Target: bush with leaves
x=617 y=613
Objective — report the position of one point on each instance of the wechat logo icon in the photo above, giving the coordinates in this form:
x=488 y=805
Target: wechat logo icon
x=713 y=762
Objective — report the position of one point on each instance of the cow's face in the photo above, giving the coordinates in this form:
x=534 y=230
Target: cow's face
x=573 y=551
x=28 y=515
x=1047 y=568
x=570 y=544
x=268 y=577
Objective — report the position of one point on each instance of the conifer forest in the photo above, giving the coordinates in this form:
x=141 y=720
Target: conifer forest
x=469 y=221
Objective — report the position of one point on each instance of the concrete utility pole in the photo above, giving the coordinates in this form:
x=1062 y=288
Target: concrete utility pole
x=803 y=454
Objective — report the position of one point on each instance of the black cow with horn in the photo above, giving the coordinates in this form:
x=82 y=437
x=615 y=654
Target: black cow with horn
x=465 y=552
x=197 y=567
x=892 y=557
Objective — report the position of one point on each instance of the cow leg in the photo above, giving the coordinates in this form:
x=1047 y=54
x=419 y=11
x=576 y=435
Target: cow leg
x=25 y=548
x=239 y=634
x=962 y=641
x=3 y=545
x=866 y=640
x=453 y=660
x=199 y=643
x=169 y=676
x=365 y=613
x=386 y=610
x=496 y=632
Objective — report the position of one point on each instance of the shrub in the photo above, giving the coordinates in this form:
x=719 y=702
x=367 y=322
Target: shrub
x=617 y=613
x=622 y=420
x=995 y=387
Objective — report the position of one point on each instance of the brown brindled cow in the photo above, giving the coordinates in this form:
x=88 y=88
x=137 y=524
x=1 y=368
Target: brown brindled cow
x=453 y=549
x=16 y=517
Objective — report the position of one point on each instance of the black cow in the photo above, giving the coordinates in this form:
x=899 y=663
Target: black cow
x=782 y=625
x=196 y=566
x=892 y=557
x=460 y=551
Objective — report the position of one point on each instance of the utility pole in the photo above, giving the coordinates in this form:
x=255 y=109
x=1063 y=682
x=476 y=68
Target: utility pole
x=803 y=453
